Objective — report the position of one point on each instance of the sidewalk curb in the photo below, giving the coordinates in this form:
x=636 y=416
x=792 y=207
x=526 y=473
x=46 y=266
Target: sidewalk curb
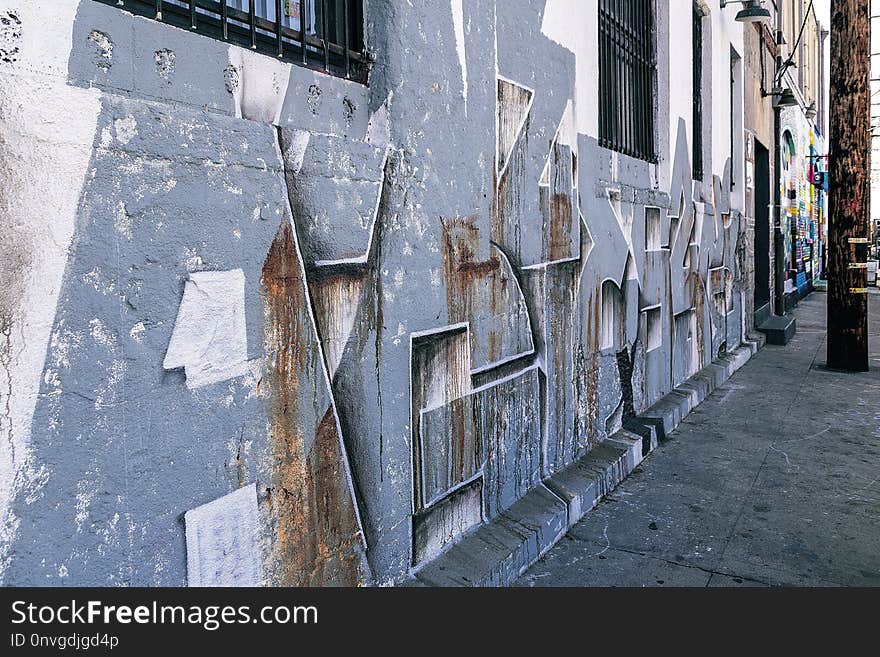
x=498 y=552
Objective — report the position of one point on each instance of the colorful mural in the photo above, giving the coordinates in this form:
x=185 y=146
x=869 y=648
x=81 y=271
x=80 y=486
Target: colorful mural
x=803 y=202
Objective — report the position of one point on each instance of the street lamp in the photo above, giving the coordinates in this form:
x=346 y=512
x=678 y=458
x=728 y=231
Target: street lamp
x=811 y=111
x=783 y=97
x=752 y=11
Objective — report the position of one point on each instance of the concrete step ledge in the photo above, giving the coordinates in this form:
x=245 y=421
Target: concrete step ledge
x=498 y=552
x=585 y=482
x=755 y=341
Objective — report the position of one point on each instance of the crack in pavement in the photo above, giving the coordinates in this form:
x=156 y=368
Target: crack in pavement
x=612 y=548
x=770 y=448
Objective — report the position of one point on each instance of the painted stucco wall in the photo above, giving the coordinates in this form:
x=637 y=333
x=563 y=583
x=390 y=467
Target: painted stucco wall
x=758 y=122
x=392 y=309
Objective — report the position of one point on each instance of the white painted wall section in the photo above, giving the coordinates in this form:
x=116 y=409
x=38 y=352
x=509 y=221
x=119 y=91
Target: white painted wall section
x=47 y=129
x=458 y=24
x=574 y=25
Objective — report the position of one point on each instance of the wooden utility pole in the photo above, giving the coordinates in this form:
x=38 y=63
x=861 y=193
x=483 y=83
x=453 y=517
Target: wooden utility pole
x=849 y=172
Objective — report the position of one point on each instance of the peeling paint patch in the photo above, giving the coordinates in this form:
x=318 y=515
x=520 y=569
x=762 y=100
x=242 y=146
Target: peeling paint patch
x=192 y=260
x=165 y=64
x=231 y=78
x=123 y=221
x=313 y=99
x=209 y=339
x=10 y=36
x=137 y=332
x=126 y=129
x=85 y=493
x=101 y=335
x=103 y=49
x=348 y=109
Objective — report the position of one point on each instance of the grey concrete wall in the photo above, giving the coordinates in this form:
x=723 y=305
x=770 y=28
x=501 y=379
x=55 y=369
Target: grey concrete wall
x=393 y=308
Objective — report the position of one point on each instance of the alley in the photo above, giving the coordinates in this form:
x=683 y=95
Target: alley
x=773 y=480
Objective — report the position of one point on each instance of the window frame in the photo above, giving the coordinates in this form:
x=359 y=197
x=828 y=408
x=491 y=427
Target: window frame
x=222 y=20
x=627 y=77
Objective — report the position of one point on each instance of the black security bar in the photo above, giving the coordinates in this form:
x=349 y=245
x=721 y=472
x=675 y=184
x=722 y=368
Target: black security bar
x=322 y=34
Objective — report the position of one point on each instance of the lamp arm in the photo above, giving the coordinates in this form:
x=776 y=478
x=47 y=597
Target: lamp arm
x=777 y=79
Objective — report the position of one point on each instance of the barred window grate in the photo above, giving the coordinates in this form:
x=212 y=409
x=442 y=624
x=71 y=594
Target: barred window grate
x=293 y=30
x=626 y=77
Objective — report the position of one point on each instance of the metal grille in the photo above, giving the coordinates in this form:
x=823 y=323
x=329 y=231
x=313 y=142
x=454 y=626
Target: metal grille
x=626 y=77
x=698 y=94
x=321 y=34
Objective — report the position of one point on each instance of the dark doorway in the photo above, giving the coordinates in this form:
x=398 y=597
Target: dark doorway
x=762 y=230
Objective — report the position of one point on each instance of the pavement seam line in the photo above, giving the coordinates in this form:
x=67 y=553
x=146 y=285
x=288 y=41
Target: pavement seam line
x=709 y=571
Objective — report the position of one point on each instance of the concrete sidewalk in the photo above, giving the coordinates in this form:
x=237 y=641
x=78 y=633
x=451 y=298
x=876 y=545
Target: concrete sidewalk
x=773 y=480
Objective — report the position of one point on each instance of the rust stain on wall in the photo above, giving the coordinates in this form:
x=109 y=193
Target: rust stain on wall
x=560 y=213
x=561 y=377
x=315 y=525
x=590 y=385
x=450 y=448
x=699 y=309
x=334 y=530
x=586 y=375
x=560 y=226
x=337 y=299
x=440 y=374
x=509 y=202
x=474 y=286
x=445 y=445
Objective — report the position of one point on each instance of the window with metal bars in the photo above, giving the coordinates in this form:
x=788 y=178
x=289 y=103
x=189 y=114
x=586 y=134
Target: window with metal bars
x=627 y=69
x=697 y=122
x=321 y=34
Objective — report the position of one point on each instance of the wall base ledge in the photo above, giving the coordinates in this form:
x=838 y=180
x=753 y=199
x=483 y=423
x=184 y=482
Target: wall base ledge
x=498 y=552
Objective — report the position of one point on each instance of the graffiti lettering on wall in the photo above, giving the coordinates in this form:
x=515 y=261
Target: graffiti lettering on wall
x=352 y=336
